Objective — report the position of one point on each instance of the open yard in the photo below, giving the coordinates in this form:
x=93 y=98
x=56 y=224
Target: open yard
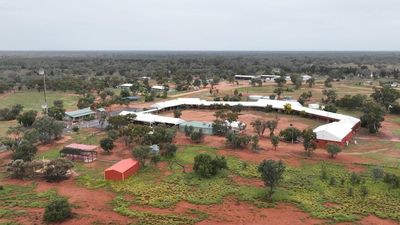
x=34 y=99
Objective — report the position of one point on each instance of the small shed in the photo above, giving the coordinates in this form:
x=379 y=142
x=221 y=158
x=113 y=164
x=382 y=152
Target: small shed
x=205 y=127
x=79 y=152
x=121 y=170
x=85 y=113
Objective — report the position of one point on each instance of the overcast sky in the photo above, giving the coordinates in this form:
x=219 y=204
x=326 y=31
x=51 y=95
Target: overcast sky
x=200 y=25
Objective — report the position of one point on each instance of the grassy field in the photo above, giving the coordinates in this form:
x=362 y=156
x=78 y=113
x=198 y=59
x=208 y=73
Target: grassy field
x=4 y=125
x=34 y=100
x=15 y=199
x=304 y=187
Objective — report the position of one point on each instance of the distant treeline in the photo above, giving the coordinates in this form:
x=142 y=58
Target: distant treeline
x=83 y=70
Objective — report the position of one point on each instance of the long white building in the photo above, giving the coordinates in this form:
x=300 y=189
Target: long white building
x=339 y=130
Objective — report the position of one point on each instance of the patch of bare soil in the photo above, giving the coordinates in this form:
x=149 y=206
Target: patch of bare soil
x=90 y=206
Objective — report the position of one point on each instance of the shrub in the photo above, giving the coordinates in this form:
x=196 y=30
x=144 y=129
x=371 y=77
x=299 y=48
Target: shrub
x=107 y=144
x=234 y=140
x=392 y=180
x=197 y=136
x=205 y=166
x=377 y=173
x=75 y=129
x=177 y=113
x=290 y=134
x=113 y=134
x=26 y=119
x=333 y=150
x=57 y=169
x=57 y=210
x=355 y=178
x=188 y=130
x=271 y=173
x=219 y=128
x=25 y=151
x=169 y=150
x=141 y=153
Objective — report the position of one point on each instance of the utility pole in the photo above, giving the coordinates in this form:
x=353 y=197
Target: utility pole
x=42 y=73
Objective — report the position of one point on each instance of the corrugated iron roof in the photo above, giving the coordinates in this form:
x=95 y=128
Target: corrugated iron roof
x=123 y=165
x=80 y=112
x=82 y=147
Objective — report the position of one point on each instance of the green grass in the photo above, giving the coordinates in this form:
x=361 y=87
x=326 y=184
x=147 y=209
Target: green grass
x=4 y=125
x=86 y=136
x=34 y=100
x=49 y=154
x=301 y=186
x=15 y=198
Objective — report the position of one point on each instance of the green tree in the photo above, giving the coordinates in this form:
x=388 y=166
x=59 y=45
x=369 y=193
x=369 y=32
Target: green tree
x=48 y=129
x=26 y=119
x=259 y=126
x=234 y=140
x=333 y=150
x=330 y=94
x=271 y=173
x=169 y=150
x=57 y=210
x=177 y=113
x=330 y=108
x=385 y=96
x=254 y=142
x=311 y=82
x=275 y=141
x=372 y=117
x=278 y=91
x=309 y=143
x=141 y=153
x=280 y=81
x=271 y=125
x=107 y=144
x=377 y=173
x=124 y=93
x=290 y=134
x=25 y=151
x=205 y=166
x=197 y=136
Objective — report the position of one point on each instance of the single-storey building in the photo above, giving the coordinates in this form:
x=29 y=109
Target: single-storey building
x=125 y=86
x=152 y=119
x=131 y=98
x=80 y=114
x=206 y=127
x=121 y=170
x=158 y=88
x=246 y=77
x=79 y=152
x=339 y=133
x=269 y=77
x=306 y=77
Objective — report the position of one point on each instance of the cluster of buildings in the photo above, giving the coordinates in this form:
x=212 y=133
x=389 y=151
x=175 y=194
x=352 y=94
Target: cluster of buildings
x=339 y=129
x=268 y=77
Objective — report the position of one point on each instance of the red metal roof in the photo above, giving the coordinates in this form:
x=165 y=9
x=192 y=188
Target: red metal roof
x=123 y=165
x=82 y=146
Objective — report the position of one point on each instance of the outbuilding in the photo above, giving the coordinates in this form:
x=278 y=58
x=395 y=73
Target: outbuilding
x=85 y=113
x=205 y=127
x=121 y=170
x=79 y=152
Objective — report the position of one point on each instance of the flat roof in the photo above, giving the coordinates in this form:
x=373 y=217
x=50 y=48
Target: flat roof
x=197 y=124
x=82 y=146
x=80 y=112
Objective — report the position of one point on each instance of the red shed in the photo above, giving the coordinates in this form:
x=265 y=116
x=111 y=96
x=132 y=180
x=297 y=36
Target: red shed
x=121 y=170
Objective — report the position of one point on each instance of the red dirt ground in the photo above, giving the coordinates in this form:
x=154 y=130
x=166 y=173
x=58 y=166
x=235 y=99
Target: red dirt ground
x=90 y=205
